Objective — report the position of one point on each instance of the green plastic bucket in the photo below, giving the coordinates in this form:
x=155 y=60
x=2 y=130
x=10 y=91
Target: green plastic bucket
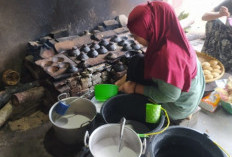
x=105 y=91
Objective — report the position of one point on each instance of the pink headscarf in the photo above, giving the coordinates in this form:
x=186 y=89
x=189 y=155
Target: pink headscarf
x=169 y=56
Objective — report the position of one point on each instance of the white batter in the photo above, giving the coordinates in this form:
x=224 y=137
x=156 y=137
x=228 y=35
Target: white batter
x=71 y=121
x=112 y=151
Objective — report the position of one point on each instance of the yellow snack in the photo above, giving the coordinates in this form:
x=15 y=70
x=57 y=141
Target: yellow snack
x=208 y=68
x=208 y=77
x=215 y=74
x=217 y=70
x=205 y=64
x=213 y=62
x=207 y=72
x=216 y=67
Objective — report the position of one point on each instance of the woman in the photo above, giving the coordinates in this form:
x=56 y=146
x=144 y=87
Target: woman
x=169 y=73
x=218 y=35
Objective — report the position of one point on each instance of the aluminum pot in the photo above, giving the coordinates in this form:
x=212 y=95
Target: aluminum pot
x=104 y=142
x=70 y=134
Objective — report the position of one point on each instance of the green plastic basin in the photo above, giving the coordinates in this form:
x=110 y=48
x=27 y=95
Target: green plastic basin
x=105 y=91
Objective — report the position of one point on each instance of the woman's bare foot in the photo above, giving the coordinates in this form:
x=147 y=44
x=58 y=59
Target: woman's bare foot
x=121 y=81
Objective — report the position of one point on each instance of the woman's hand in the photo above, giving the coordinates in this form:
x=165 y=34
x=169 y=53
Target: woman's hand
x=224 y=11
x=121 y=81
x=128 y=87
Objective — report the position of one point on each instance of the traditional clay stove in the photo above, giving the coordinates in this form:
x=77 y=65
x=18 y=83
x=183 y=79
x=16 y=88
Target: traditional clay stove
x=81 y=62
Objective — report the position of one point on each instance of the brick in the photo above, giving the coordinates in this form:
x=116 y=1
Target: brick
x=85 y=83
x=121 y=30
x=104 y=73
x=96 y=76
x=111 y=24
x=101 y=28
x=59 y=33
x=97 y=81
x=76 y=90
x=69 y=44
x=63 y=89
x=86 y=74
x=67 y=38
x=106 y=34
x=105 y=78
x=96 y=68
x=122 y=19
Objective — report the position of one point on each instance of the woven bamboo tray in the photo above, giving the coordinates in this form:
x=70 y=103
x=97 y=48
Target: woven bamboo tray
x=203 y=57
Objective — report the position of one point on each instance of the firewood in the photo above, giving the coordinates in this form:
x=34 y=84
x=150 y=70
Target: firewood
x=28 y=96
x=6 y=95
x=5 y=113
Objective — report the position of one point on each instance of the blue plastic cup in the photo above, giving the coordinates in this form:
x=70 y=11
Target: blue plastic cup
x=61 y=108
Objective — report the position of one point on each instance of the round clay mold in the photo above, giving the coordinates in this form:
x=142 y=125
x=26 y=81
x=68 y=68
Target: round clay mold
x=58 y=59
x=64 y=65
x=53 y=69
x=46 y=63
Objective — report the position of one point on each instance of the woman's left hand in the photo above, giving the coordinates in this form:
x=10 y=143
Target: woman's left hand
x=128 y=87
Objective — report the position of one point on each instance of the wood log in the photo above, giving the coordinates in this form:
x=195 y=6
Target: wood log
x=6 y=95
x=29 y=96
x=5 y=113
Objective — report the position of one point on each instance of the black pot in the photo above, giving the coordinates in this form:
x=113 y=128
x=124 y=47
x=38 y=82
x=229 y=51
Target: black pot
x=103 y=42
x=133 y=108
x=130 y=54
x=74 y=52
x=111 y=56
x=85 y=48
x=92 y=53
x=73 y=69
x=131 y=41
x=126 y=47
x=83 y=56
x=122 y=42
x=116 y=39
x=124 y=37
x=119 y=67
x=95 y=46
x=135 y=46
x=111 y=47
x=102 y=50
x=179 y=141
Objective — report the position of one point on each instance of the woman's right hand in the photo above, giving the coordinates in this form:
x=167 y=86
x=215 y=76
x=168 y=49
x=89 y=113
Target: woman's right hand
x=224 y=11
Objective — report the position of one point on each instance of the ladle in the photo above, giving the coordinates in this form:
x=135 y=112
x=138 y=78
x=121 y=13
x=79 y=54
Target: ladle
x=122 y=126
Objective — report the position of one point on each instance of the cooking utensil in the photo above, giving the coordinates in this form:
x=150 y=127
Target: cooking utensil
x=72 y=132
x=103 y=142
x=122 y=126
